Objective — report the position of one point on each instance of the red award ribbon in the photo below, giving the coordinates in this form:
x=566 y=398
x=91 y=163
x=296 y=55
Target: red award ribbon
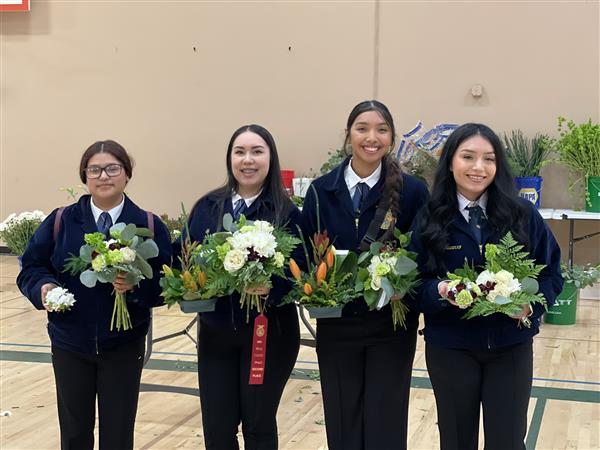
x=259 y=350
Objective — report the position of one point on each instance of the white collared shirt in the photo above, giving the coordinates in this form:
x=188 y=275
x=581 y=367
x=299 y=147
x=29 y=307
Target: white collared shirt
x=235 y=197
x=352 y=178
x=464 y=203
x=114 y=212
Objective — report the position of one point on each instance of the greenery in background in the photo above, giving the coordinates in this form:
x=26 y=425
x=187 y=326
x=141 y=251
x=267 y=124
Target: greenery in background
x=526 y=156
x=298 y=201
x=334 y=159
x=578 y=147
x=17 y=230
x=74 y=192
x=581 y=276
x=173 y=225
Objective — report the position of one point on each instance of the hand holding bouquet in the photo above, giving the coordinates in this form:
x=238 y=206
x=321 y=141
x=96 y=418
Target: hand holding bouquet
x=104 y=260
x=507 y=285
x=388 y=272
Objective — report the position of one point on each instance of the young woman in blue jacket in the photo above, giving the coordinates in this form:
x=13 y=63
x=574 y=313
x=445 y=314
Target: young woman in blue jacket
x=253 y=188
x=486 y=361
x=365 y=364
x=89 y=360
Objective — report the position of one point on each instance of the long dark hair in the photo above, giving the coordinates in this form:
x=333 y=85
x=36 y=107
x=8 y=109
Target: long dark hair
x=504 y=210
x=392 y=171
x=273 y=184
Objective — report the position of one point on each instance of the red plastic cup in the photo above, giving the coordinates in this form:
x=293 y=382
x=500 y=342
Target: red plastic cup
x=287 y=176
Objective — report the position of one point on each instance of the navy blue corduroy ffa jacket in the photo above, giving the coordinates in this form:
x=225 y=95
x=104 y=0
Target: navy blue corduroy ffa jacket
x=337 y=214
x=86 y=327
x=204 y=219
x=444 y=325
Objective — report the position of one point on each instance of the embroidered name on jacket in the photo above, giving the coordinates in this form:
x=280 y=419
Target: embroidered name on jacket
x=453 y=247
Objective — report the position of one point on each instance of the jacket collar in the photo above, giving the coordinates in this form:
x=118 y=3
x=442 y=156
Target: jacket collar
x=130 y=214
x=335 y=182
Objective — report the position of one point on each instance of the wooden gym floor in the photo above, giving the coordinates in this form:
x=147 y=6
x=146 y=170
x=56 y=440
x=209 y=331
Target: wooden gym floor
x=564 y=409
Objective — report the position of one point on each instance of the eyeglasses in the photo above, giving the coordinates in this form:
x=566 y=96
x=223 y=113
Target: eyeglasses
x=112 y=170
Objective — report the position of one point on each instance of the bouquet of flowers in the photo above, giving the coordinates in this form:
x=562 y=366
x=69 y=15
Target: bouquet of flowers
x=507 y=284
x=388 y=272
x=17 y=230
x=202 y=275
x=102 y=260
x=250 y=252
x=59 y=300
x=331 y=277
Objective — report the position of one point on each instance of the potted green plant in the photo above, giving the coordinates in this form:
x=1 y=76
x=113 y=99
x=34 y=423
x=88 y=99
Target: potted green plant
x=578 y=148
x=335 y=157
x=526 y=157
x=17 y=230
x=578 y=277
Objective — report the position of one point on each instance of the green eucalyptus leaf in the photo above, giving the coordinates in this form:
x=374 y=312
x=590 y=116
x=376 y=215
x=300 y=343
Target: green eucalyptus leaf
x=404 y=265
x=375 y=248
x=144 y=267
x=530 y=285
x=88 y=278
x=144 y=232
x=85 y=253
x=227 y=222
x=387 y=287
x=128 y=232
x=147 y=249
x=108 y=275
x=501 y=300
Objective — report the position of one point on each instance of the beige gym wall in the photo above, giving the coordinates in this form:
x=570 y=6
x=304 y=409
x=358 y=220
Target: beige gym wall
x=171 y=80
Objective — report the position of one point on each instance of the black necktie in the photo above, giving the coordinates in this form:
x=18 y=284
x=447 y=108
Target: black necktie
x=104 y=223
x=359 y=197
x=476 y=218
x=239 y=208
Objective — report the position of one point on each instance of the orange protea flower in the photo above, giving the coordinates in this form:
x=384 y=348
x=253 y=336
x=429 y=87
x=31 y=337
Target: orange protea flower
x=188 y=281
x=330 y=257
x=201 y=276
x=295 y=269
x=307 y=289
x=321 y=273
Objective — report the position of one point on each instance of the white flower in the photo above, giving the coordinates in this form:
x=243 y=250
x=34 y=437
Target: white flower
x=279 y=259
x=375 y=283
x=235 y=260
x=484 y=277
x=504 y=277
x=240 y=241
x=261 y=225
x=59 y=299
x=264 y=244
x=128 y=254
x=375 y=261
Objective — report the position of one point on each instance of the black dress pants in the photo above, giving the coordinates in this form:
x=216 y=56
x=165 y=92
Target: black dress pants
x=224 y=355
x=498 y=379
x=366 y=370
x=114 y=378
